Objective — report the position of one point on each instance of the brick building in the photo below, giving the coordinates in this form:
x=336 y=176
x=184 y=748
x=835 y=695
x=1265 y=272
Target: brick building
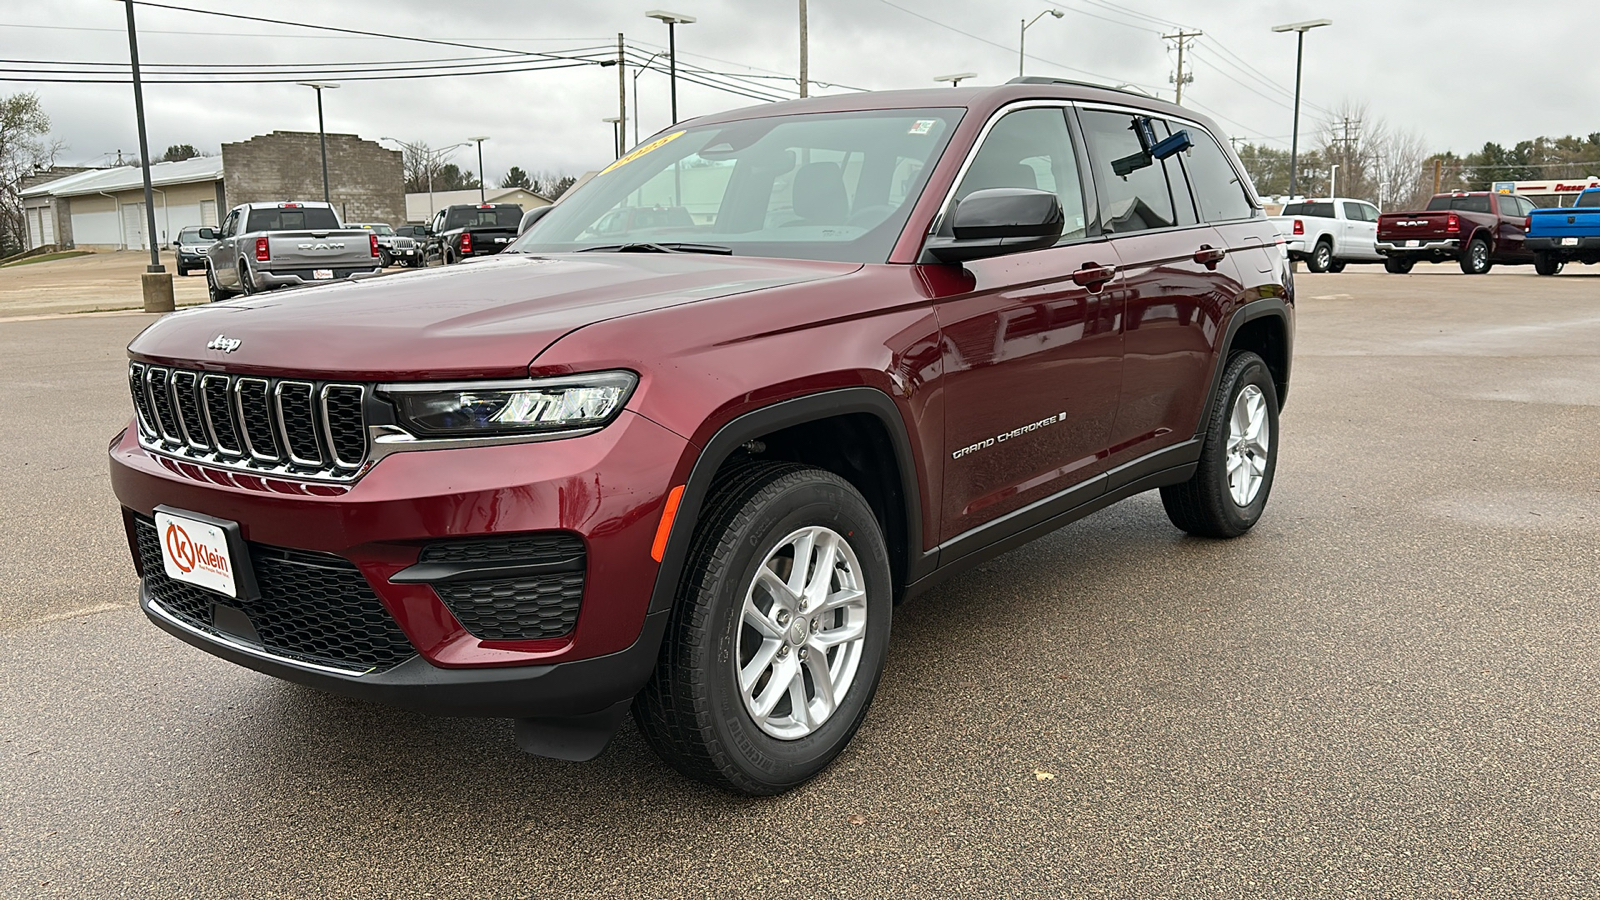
x=366 y=181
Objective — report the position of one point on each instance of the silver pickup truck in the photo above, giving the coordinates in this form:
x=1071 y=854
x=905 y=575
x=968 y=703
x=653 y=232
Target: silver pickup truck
x=261 y=246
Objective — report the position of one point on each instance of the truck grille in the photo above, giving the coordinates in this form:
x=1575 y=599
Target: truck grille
x=314 y=607
x=275 y=426
x=522 y=608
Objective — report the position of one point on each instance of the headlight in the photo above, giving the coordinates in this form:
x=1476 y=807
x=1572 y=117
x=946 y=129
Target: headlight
x=536 y=406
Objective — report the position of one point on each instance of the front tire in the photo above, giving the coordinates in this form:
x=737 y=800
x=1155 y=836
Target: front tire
x=1228 y=491
x=1547 y=264
x=1336 y=266
x=384 y=259
x=1321 y=257
x=1476 y=260
x=1398 y=265
x=779 y=634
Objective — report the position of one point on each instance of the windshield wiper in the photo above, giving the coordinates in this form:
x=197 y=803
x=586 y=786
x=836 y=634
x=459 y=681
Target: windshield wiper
x=649 y=247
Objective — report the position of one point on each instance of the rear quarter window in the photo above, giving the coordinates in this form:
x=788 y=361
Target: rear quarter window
x=1219 y=191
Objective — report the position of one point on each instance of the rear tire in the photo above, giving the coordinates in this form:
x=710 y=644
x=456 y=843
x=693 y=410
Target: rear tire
x=1228 y=491
x=1476 y=260
x=1336 y=266
x=738 y=699
x=1321 y=257
x=1398 y=265
x=245 y=283
x=1547 y=264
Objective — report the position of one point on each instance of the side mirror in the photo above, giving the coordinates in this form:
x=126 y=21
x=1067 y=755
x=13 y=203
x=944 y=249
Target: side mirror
x=999 y=221
x=208 y=234
x=530 y=217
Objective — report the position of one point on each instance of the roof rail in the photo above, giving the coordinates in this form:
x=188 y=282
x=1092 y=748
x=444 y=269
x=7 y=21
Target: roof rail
x=1045 y=79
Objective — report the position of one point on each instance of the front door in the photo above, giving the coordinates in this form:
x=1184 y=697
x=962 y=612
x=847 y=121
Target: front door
x=1032 y=359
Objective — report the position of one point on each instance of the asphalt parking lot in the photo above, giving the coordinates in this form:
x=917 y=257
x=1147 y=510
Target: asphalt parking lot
x=1386 y=690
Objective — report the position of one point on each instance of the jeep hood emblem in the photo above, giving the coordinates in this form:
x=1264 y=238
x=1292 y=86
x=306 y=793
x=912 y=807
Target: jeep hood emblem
x=224 y=343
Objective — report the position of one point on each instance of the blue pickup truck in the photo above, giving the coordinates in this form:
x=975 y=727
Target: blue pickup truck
x=1557 y=236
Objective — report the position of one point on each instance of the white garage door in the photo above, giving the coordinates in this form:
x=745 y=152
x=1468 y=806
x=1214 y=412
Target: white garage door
x=35 y=232
x=47 y=219
x=208 y=213
x=133 y=227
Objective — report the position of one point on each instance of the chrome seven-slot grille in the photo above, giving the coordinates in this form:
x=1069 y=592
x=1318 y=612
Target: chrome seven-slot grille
x=275 y=426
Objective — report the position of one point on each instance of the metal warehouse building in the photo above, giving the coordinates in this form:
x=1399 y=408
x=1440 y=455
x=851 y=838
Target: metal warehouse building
x=103 y=209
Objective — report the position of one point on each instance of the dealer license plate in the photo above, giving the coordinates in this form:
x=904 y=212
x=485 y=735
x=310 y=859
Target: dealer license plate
x=322 y=274
x=196 y=552
x=1408 y=243
x=1569 y=242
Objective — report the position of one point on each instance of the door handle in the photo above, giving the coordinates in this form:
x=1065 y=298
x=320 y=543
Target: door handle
x=1092 y=276
x=1209 y=256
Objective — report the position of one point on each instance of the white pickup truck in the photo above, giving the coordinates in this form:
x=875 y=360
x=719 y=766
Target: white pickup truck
x=261 y=246
x=1327 y=233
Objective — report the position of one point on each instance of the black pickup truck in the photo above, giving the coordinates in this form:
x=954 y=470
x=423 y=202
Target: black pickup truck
x=462 y=232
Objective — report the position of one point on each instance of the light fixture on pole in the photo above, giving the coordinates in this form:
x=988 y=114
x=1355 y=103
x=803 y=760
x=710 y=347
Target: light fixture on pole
x=322 y=134
x=673 y=20
x=637 y=71
x=616 y=134
x=1022 y=38
x=956 y=78
x=479 y=140
x=430 y=160
x=1300 y=29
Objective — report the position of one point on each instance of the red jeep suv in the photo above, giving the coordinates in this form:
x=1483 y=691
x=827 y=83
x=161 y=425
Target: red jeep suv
x=690 y=471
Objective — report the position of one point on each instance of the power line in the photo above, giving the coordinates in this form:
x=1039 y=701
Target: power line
x=1010 y=49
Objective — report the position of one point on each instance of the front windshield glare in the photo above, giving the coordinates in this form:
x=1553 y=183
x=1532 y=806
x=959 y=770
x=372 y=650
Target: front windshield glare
x=835 y=186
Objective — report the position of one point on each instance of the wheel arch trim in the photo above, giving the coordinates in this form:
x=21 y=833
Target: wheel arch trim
x=777 y=416
x=1265 y=308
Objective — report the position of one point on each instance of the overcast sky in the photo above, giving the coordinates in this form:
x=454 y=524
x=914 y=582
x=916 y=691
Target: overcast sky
x=1485 y=71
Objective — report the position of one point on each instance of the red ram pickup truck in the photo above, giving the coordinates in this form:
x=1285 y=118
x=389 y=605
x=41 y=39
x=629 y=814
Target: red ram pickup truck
x=1477 y=229
x=688 y=470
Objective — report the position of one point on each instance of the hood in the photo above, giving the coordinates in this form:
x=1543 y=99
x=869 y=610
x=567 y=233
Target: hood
x=487 y=318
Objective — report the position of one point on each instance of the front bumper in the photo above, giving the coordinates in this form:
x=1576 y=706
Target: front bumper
x=608 y=488
x=1419 y=246
x=266 y=281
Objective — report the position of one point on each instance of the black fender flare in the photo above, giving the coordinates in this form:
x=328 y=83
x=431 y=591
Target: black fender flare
x=783 y=414
x=1267 y=307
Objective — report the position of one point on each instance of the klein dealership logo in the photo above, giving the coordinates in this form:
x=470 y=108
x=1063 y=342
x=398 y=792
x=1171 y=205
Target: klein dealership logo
x=188 y=555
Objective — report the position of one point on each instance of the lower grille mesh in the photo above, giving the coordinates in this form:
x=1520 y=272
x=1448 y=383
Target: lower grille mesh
x=518 y=609
x=314 y=607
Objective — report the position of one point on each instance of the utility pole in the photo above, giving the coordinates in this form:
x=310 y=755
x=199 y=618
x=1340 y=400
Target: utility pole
x=1438 y=172
x=1182 y=38
x=622 y=95
x=805 y=68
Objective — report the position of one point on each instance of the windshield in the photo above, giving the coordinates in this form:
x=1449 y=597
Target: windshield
x=378 y=228
x=834 y=186
x=190 y=236
x=474 y=216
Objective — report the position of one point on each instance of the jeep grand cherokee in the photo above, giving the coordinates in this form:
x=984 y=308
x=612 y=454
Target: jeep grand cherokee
x=689 y=471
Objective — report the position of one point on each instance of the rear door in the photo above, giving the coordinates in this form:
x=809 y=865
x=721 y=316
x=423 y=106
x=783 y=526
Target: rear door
x=1178 y=280
x=1361 y=230
x=1032 y=357
x=1511 y=234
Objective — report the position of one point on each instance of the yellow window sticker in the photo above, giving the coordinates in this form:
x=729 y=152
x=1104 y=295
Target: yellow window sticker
x=653 y=145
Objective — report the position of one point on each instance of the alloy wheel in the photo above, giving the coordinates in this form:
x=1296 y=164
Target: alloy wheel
x=801 y=633
x=1249 y=441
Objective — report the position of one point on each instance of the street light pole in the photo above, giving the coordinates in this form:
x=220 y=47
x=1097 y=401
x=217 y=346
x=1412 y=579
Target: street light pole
x=616 y=134
x=482 y=191
x=1022 y=38
x=322 y=133
x=144 y=148
x=1300 y=29
x=673 y=20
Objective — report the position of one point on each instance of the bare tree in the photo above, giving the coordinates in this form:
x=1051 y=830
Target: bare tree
x=23 y=151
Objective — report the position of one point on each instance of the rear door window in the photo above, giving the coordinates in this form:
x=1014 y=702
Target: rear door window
x=1354 y=212
x=1138 y=201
